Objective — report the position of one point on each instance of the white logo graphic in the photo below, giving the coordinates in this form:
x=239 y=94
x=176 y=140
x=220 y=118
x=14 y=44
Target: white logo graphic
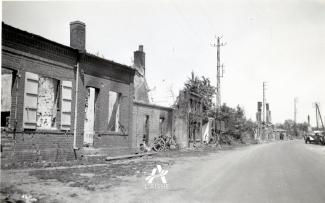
x=29 y=198
x=161 y=174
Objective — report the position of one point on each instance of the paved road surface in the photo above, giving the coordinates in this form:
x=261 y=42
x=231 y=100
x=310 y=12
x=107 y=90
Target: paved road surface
x=288 y=171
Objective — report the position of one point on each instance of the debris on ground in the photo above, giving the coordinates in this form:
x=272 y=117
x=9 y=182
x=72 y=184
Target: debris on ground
x=86 y=176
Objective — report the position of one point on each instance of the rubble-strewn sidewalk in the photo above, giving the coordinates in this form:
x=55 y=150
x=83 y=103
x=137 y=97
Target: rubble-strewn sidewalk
x=52 y=182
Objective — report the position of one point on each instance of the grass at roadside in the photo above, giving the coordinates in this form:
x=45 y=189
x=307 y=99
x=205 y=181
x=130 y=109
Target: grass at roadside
x=92 y=178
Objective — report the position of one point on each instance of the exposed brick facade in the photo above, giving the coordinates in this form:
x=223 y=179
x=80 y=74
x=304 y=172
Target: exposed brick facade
x=25 y=52
x=188 y=119
x=154 y=113
x=107 y=77
x=149 y=120
x=140 y=84
x=36 y=146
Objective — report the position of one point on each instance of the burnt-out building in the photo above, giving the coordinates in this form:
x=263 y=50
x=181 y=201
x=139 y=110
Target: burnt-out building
x=149 y=120
x=187 y=119
x=259 y=112
x=57 y=99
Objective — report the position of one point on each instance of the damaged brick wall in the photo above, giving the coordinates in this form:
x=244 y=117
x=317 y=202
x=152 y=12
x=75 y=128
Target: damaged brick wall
x=140 y=84
x=141 y=88
x=22 y=54
x=37 y=65
x=154 y=113
x=36 y=147
x=118 y=139
x=188 y=119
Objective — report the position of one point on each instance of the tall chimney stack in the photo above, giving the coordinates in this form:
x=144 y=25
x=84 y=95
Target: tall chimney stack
x=78 y=35
x=259 y=106
x=139 y=60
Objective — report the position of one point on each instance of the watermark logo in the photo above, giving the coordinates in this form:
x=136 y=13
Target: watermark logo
x=29 y=198
x=160 y=177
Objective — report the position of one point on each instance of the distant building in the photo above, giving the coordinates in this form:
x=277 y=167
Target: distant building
x=259 y=112
x=268 y=114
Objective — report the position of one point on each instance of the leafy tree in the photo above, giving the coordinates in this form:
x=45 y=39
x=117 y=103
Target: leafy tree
x=202 y=86
x=235 y=121
x=290 y=127
x=303 y=126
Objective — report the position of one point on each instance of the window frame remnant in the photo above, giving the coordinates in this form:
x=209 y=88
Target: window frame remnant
x=114 y=104
x=47 y=103
x=90 y=101
x=61 y=102
x=7 y=80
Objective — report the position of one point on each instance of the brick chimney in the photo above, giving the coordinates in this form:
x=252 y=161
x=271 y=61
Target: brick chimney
x=259 y=106
x=139 y=60
x=78 y=35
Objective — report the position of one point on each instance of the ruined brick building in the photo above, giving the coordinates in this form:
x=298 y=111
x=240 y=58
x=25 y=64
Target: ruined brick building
x=265 y=128
x=150 y=120
x=60 y=102
x=58 y=97
x=187 y=118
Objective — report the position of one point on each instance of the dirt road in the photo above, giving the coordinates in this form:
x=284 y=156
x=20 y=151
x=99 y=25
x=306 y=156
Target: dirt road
x=278 y=172
x=288 y=171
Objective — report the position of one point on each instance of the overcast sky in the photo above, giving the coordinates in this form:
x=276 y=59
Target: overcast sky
x=281 y=42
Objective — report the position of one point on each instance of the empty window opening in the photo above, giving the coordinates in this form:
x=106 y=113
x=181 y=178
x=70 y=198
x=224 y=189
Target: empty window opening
x=47 y=103
x=6 y=89
x=146 y=130
x=90 y=114
x=114 y=111
x=161 y=125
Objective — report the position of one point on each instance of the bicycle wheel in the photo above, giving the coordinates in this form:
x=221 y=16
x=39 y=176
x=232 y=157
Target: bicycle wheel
x=213 y=140
x=159 y=144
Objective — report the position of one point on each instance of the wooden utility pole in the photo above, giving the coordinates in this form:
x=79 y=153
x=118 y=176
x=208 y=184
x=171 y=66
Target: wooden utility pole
x=295 y=115
x=218 y=93
x=264 y=101
x=219 y=74
x=295 y=110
